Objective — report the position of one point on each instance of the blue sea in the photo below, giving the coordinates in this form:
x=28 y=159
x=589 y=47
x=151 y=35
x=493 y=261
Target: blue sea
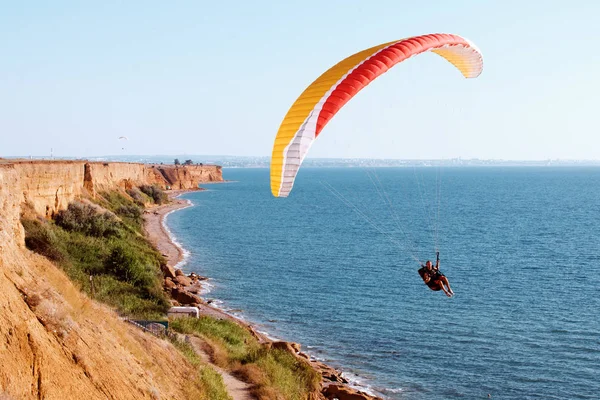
x=334 y=267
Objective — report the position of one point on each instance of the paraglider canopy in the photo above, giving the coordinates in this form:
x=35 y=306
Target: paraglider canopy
x=327 y=95
x=123 y=138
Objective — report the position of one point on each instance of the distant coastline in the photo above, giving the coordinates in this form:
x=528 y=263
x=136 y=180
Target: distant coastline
x=264 y=161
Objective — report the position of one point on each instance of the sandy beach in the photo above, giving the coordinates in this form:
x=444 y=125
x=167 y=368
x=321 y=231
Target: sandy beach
x=157 y=233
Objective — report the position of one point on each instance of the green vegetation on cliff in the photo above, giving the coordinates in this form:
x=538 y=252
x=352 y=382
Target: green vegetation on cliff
x=102 y=248
x=275 y=373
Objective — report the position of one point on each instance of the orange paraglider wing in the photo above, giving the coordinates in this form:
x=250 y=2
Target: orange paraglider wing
x=327 y=95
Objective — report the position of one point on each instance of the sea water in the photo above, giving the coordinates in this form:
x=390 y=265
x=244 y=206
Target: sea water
x=334 y=267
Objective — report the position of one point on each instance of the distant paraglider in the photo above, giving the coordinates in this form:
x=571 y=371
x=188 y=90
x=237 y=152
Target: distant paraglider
x=317 y=105
x=123 y=138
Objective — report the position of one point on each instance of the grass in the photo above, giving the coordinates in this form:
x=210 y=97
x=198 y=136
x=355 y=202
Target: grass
x=238 y=343
x=275 y=373
x=129 y=210
x=291 y=377
x=186 y=350
x=107 y=243
x=210 y=380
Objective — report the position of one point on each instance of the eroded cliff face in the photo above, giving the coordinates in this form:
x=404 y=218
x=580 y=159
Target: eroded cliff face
x=56 y=343
x=50 y=186
x=183 y=176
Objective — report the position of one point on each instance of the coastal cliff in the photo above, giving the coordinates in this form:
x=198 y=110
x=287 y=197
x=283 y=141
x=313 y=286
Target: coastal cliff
x=56 y=342
x=49 y=186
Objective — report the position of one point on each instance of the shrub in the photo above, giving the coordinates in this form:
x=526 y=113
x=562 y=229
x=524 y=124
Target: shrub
x=54 y=318
x=129 y=299
x=85 y=253
x=130 y=212
x=84 y=218
x=129 y=266
x=133 y=212
x=155 y=193
x=41 y=239
x=138 y=197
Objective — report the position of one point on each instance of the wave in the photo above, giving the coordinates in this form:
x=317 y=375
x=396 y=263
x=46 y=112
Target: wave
x=207 y=287
x=358 y=383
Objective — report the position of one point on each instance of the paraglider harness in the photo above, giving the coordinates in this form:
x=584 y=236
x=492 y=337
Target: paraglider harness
x=434 y=274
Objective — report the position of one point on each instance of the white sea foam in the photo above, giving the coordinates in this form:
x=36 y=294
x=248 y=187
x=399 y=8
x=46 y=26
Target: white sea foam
x=269 y=336
x=216 y=303
x=356 y=382
x=207 y=287
x=393 y=390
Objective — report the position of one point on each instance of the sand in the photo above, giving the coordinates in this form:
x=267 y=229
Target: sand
x=158 y=234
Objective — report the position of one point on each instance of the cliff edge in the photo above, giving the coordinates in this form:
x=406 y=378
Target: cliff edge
x=51 y=185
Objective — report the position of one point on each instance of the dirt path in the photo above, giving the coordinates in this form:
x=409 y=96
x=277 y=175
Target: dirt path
x=158 y=235
x=236 y=388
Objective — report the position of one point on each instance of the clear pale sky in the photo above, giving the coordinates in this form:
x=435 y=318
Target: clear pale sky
x=217 y=77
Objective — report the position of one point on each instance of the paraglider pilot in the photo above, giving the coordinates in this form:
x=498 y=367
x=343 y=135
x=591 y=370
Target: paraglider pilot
x=433 y=278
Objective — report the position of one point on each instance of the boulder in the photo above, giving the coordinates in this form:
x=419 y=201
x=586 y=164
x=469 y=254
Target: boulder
x=168 y=272
x=179 y=272
x=183 y=280
x=290 y=347
x=328 y=373
x=195 y=277
x=184 y=297
x=345 y=393
x=195 y=288
x=169 y=283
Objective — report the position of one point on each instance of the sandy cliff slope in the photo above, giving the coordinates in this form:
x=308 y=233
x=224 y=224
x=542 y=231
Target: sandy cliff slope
x=55 y=343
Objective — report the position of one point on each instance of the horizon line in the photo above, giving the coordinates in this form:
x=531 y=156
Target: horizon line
x=306 y=159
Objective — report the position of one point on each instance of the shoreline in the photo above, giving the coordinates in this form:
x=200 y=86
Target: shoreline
x=176 y=256
x=158 y=233
x=160 y=236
